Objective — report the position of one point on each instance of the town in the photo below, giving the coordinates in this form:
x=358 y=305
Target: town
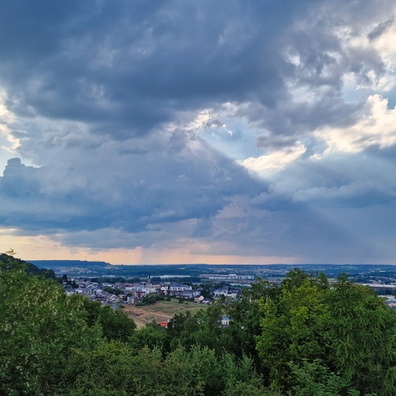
x=116 y=293
x=216 y=285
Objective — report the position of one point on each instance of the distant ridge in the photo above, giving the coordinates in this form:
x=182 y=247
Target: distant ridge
x=80 y=267
x=70 y=263
x=100 y=268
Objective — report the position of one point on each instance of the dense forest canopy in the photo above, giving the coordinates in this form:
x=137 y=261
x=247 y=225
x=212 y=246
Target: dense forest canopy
x=8 y=261
x=303 y=337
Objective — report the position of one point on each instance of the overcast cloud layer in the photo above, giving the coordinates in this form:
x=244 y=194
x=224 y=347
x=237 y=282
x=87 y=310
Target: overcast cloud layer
x=260 y=129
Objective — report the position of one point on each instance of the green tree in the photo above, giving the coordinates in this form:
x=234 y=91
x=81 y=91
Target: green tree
x=362 y=335
x=39 y=328
x=203 y=329
x=151 y=299
x=117 y=291
x=108 y=289
x=246 y=314
x=207 y=290
x=115 y=325
x=111 y=369
x=105 y=370
x=317 y=337
x=297 y=278
x=315 y=379
x=151 y=336
x=292 y=330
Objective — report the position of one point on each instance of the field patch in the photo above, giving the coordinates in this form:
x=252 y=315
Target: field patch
x=160 y=312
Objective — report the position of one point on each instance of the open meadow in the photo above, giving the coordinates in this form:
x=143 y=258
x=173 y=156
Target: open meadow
x=162 y=311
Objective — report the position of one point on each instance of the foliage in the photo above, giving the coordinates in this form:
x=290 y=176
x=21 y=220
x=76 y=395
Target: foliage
x=362 y=334
x=314 y=378
x=9 y=262
x=39 y=328
x=305 y=337
x=116 y=326
x=151 y=336
x=292 y=330
x=201 y=329
x=151 y=299
x=320 y=337
x=246 y=315
x=207 y=290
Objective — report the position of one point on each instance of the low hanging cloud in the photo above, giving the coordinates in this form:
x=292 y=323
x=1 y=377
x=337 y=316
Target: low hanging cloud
x=129 y=189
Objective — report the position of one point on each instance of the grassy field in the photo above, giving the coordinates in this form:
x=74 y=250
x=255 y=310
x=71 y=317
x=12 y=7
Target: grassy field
x=162 y=311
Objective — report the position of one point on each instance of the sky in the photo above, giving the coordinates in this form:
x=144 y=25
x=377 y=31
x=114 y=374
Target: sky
x=181 y=131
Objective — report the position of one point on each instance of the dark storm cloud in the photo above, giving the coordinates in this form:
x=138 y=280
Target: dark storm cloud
x=127 y=67
x=133 y=192
x=132 y=65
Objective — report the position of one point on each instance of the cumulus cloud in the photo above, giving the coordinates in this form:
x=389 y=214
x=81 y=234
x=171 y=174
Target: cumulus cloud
x=375 y=127
x=275 y=160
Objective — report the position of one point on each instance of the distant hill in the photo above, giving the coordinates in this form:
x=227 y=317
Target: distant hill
x=76 y=267
x=70 y=263
x=101 y=268
x=97 y=269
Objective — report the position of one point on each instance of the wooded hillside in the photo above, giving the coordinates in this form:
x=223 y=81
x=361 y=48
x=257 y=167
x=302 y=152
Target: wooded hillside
x=305 y=337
